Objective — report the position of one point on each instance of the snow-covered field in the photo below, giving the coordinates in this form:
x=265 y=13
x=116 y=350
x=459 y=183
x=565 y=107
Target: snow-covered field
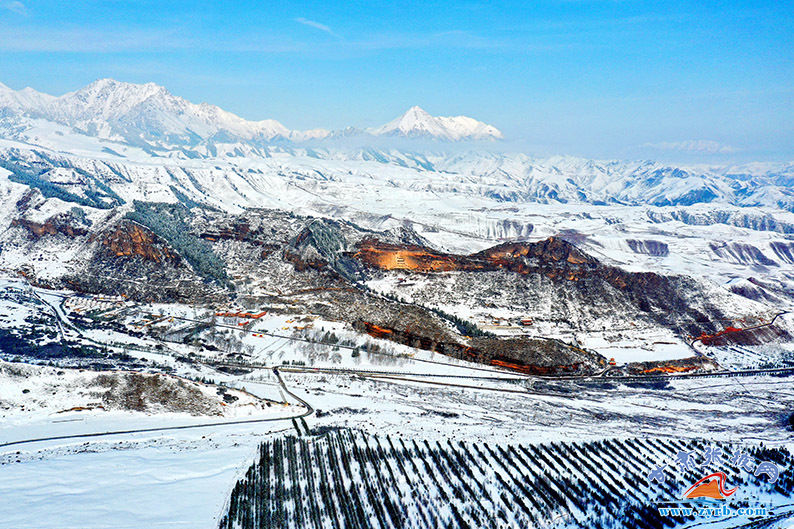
x=182 y=479
x=173 y=470
x=752 y=408
x=421 y=483
x=126 y=482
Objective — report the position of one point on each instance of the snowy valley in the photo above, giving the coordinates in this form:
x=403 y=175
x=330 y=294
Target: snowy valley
x=237 y=316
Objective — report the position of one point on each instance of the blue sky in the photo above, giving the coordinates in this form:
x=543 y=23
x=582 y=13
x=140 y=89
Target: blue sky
x=597 y=78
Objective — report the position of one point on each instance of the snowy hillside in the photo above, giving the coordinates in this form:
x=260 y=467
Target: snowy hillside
x=27 y=388
x=708 y=222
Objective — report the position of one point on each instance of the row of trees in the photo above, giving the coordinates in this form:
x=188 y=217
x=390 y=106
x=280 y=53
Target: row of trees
x=464 y=327
x=349 y=480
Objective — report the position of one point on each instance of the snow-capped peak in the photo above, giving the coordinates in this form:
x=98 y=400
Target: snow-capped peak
x=415 y=116
x=133 y=113
x=416 y=122
x=110 y=100
x=26 y=99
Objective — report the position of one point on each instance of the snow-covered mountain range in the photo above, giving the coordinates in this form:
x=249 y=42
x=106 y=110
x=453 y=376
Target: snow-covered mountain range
x=111 y=144
x=148 y=115
x=149 y=135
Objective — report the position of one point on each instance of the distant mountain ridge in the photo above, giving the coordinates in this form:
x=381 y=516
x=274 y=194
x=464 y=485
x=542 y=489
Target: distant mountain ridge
x=149 y=115
x=142 y=142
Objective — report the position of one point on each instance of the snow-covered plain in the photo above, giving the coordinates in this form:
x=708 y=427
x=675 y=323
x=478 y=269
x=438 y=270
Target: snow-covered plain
x=126 y=482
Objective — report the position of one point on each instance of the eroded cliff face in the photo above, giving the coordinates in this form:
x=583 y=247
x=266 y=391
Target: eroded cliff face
x=680 y=365
x=318 y=266
x=554 y=257
x=242 y=232
x=129 y=239
x=524 y=355
x=752 y=336
x=52 y=226
x=128 y=258
x=522 y=258
x=408 y=257
x=670 y=301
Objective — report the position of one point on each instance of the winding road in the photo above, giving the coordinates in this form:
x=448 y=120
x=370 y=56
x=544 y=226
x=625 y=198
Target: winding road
x=392 y=376
x=761 y=326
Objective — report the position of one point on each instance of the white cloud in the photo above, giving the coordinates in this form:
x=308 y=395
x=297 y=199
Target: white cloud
x=316 y=25
x=100 y=40
x=693 y=147
x=15 y=6
x=43 y=39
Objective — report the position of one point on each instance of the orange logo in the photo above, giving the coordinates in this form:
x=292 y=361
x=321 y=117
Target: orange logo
x=711 y=486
